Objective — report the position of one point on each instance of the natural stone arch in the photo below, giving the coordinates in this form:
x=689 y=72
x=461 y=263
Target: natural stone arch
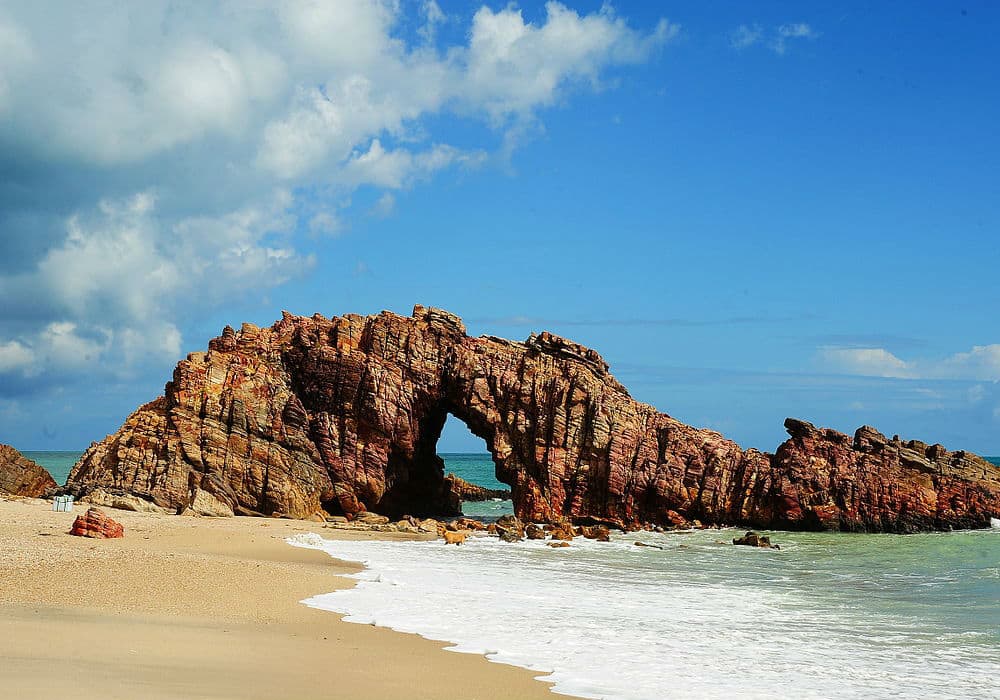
x=319 y=415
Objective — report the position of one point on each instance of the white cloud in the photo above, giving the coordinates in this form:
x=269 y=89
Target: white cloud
x=745 y=36
x=512 y=67
x=58 y=347
x=384 y=207
x=798 y=30
x=120 y=275
x=172 y=142
x=871 y=362
x=981 y=363
x=776 y=39
x=14 y=356
x=433 y=17
x=325 y=223
x=399 y=168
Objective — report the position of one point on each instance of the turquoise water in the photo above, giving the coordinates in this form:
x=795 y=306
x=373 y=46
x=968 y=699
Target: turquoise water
x=478 y=469
x=58 y=464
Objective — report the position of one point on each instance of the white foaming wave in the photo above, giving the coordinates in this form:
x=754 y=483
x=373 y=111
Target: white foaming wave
x=609 y=621
x=306 y=539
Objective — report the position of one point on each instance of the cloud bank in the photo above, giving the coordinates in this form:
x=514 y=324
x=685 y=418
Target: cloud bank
x=154 y=149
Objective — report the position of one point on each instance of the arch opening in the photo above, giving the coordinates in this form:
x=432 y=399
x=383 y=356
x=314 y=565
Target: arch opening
x=447 y=446
x=467 y=456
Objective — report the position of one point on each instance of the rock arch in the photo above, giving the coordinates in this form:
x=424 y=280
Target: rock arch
x=317 y=415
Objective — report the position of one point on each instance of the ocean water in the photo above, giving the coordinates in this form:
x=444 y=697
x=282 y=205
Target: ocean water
x=479 y=469
x=828 y=616
x=58 y=464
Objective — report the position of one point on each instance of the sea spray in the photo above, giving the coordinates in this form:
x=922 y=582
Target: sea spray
x=828 y=615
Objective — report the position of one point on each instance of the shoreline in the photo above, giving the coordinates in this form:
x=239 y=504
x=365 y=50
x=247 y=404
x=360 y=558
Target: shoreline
x=187 y=607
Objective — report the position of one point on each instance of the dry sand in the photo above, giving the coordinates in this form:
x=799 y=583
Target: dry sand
x=203 y=608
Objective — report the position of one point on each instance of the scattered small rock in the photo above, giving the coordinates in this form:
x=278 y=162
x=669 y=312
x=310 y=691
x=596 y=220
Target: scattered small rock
x=601 y=533
x=510 y=528
x=533 y=532
x=428 y=525
x=559 y=543
x=562 y=530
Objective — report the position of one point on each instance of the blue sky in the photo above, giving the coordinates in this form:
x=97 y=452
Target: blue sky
x=752 y=210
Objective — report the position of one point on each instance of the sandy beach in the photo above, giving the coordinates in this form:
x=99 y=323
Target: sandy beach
x=203 y=608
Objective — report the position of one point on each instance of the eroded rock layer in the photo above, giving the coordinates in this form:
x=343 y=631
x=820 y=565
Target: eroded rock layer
x=20 y=476
x=342 y=415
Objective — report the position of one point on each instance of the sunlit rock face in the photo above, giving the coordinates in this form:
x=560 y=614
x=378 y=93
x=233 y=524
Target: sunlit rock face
x=19 y=476
x=314 y=416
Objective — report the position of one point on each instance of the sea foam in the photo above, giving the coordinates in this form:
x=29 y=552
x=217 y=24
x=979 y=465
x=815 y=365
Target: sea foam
x=698 y=619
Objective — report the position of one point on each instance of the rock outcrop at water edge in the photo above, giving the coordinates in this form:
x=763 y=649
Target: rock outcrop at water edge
x=20 y=476
x=342 y=415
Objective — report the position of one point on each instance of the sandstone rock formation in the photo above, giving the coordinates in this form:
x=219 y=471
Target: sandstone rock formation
x=472 y=492
x=19 y=476
x=95 y=523
x=342 y=416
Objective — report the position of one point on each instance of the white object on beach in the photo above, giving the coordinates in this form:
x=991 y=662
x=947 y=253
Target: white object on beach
x=995 y=523
x=62 y=504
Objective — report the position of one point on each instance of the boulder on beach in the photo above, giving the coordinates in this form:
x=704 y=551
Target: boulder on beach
x=95 y=523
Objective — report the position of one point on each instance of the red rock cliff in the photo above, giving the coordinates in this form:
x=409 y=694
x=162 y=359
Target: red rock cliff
x=344 y=414
x=22 y=477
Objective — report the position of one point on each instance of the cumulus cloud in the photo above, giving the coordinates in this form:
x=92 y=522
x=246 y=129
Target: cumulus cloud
x=118 y=278
x=157 y=159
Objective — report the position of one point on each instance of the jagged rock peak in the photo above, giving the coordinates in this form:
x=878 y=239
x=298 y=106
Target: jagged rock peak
x=341 y=415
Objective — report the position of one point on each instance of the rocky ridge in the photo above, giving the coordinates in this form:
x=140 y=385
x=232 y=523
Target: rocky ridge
x=19 y=476
x=317 y=416
x=467 y=491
